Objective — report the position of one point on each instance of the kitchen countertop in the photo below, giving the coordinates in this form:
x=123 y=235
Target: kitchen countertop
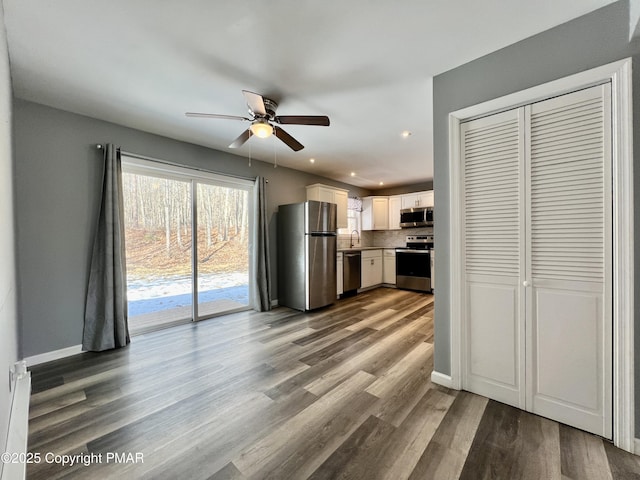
x=358 y=249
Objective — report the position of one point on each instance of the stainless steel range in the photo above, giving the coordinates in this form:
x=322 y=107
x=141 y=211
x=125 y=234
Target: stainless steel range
x=414 y=263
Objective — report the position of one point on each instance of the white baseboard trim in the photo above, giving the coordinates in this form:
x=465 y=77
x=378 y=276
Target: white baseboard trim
x=18 y=427
x=636 y=446
x=442 y=379
x=274 y=303
x=54 y=355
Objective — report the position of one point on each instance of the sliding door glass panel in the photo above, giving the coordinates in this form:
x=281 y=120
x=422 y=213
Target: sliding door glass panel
x=222 y=266
x=158 y=237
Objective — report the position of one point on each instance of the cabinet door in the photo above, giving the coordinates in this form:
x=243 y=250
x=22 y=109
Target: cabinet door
x=371 y=268
x=367 y=214
x=339 y=275
x=395 y=204
x=376 y=270
x=326 y=195
x=410 y=200
x=375 y=213
x=365 y=273
x=341 y=200
x=389 y=267
x=380 y=214
x=426 y=198
x=313 y=193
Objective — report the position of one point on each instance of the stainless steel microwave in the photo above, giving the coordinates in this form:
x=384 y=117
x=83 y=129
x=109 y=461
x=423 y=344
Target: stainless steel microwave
x=416 y=217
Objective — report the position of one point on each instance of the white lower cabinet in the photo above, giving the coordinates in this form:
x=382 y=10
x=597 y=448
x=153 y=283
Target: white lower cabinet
x=339 y=277
x=371 y=273
x=389 y=266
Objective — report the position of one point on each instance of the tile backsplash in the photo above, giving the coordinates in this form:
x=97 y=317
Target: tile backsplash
x=396 y=238
x=382 y=238
x=366 y=240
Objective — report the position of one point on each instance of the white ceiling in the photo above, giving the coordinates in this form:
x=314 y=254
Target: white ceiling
x=367 y=64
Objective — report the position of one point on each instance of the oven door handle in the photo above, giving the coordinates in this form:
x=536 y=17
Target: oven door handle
x=423 y=252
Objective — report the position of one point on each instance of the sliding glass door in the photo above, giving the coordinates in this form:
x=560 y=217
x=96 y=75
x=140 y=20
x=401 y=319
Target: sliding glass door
x=187 y=244
x=222 y=249
x=158 y=248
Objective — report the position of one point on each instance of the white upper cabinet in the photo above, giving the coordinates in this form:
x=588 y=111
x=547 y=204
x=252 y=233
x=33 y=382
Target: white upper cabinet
x=395 y=204
x=375 y=213
x=325 y=193
x=418 y=199
x=341 y=199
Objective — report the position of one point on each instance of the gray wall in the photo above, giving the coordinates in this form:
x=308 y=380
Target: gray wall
x=58 y=181
x=416 y=187
x=8 y=289
x=595 y=39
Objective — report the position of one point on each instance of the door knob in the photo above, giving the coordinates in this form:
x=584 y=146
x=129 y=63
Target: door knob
x=526 y=283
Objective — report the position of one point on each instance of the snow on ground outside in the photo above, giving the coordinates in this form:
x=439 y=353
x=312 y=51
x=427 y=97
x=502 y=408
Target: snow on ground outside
x=155 y=294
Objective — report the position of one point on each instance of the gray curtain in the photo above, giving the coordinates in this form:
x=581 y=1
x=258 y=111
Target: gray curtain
x=260 y=252
x=105 y=317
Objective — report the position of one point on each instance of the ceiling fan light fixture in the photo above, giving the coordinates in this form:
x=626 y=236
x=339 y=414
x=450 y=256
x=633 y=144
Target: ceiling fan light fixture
x=261 y=129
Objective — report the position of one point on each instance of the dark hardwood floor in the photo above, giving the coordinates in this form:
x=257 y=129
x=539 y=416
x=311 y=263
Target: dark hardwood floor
x=343 y=392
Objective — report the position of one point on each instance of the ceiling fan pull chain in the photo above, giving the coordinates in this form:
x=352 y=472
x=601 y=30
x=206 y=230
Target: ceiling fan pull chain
x=249 y=154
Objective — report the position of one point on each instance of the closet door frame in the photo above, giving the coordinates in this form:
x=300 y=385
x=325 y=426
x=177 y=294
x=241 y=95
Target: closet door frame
x=619 y=74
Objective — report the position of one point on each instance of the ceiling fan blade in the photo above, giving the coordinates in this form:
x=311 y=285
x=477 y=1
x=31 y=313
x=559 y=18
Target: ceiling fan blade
x=244 y=136
x=288 y=139
x=255 y=102
x=303 y=120
x=215 y=115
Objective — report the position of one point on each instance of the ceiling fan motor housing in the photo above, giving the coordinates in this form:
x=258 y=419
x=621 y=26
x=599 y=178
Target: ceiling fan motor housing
x=270 y=106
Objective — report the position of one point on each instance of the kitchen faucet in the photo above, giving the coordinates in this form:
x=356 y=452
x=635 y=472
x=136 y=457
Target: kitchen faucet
x=351 y=237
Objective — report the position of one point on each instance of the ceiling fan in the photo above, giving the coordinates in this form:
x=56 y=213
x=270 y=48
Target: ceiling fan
x=263 y=120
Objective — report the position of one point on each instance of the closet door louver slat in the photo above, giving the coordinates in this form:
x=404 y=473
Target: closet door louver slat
x=574 y=177
x=491 y=189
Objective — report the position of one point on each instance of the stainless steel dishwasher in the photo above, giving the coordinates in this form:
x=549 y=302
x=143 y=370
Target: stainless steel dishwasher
x=351 y=272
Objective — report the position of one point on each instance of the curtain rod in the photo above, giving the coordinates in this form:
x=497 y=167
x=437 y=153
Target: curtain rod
x=99 y=146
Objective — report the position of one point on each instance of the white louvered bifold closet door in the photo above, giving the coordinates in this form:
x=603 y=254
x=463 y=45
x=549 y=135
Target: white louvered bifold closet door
x=569 y=259
x=537 y=258
x=492 y=153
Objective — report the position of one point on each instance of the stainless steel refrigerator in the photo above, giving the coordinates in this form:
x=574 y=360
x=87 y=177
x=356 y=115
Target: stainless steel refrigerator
x=307 y=255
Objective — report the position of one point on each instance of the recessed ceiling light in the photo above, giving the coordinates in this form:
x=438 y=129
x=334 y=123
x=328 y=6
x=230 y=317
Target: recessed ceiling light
x=381 y=183
x=312 y=160
x=353 y=174
x=406 y=134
